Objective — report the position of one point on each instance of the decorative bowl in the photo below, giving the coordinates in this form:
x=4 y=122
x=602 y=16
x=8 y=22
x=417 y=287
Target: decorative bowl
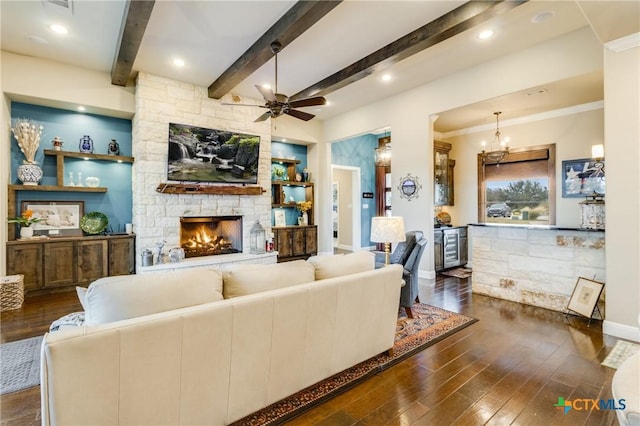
x=94 y=223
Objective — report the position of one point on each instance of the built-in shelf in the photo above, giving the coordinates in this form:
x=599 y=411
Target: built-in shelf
x=183 y=188
x=53 y=188
x=103 y=157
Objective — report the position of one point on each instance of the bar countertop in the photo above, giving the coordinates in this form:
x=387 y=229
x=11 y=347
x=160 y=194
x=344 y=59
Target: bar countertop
x=536 y=227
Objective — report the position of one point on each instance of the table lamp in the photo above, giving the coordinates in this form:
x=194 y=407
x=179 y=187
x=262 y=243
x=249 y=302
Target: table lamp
x=387 y=230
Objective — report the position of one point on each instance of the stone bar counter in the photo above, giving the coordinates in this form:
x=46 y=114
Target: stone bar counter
x=534 y=265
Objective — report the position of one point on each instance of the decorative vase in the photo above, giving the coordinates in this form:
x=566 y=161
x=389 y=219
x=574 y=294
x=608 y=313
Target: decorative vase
x=92 y=181
x=305 y=218
x=86 y=144
x=57 y=143
x=114 y=148
x=26 y=232
x=29 y=173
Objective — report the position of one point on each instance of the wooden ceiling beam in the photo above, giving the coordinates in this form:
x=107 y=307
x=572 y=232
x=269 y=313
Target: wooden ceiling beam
x=134 y=23
x=448 y=25
x=292 y=24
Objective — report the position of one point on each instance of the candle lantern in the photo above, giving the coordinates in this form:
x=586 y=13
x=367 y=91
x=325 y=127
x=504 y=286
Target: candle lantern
x=592 y=214
x=258 y=239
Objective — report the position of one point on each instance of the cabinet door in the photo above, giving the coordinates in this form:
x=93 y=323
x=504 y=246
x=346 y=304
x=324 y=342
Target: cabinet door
x=311 y=240
x=59 y=270
x=121 y=256
x=282 y=241
x=92 y=261
x=464 y=247
x=26 y=259
x=438 y=252
x=299 y=239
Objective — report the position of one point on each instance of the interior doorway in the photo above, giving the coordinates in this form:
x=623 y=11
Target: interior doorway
x=346 y=212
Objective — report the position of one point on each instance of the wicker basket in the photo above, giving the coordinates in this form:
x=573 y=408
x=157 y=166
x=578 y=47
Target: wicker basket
x=11 y=292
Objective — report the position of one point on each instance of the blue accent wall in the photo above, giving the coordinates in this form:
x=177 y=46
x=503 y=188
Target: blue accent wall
x=287 y=150
x=359 y=152
x=71 y=126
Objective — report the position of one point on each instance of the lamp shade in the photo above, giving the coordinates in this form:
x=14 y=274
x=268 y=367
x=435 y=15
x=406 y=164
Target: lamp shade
x=597 y=151
x=387 y=229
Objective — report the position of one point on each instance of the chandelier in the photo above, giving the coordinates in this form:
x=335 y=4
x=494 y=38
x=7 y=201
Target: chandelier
x=498 y=149
x=383 y=153
x=383 y=156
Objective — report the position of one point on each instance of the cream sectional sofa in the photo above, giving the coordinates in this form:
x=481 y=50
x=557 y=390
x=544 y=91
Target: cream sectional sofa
x=208 y=360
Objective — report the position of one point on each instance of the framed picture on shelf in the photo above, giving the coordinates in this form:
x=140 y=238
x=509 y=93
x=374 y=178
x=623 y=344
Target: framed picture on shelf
x=583 y=177
x=279 y=218
x=585 y=296
x=57 y=218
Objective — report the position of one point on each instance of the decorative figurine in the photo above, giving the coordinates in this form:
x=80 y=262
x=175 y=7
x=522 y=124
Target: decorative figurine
x=86 y=144
x=114 y=148
x=57 y=143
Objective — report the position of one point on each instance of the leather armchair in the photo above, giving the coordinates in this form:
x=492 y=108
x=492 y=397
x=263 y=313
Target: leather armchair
x=408 y=254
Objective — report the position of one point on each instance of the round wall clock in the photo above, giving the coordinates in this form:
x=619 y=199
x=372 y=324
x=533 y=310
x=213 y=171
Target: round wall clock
x=409 y=187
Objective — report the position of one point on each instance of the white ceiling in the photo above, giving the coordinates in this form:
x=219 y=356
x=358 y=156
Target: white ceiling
x=210 y=35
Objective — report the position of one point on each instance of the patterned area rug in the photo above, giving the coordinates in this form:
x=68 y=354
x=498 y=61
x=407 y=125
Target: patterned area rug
x=458 y=273
x=429 y=325
x=619 y=354
x=20 y=364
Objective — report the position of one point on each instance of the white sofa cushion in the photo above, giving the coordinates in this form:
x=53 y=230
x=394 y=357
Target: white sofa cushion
x=128 y=296
x=240 y=280
x=338 y=265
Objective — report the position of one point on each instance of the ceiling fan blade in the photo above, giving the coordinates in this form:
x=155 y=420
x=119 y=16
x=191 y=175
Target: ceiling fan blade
x=235 y=104
x=263 y=117
x=299 y=114
x=267 y=94
x=308 y=102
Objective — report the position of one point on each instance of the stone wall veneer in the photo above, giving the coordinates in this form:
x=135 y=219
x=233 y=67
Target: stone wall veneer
x=156 y=216
x=534 y=266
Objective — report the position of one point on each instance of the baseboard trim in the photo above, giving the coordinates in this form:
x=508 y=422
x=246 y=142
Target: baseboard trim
x=622 y=331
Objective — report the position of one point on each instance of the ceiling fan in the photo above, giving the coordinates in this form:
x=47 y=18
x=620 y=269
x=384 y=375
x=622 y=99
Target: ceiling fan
x=279 y=104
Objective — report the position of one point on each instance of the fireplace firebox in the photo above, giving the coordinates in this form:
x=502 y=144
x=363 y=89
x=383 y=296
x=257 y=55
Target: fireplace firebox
x=210 y=235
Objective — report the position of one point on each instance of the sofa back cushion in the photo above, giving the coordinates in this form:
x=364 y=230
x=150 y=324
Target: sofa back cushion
x=240 y=280
x=127 y=296
x=338 y=265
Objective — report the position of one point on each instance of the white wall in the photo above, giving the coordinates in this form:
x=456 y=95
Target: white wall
x=572 y=133
x=409 y=113
x=622 y=155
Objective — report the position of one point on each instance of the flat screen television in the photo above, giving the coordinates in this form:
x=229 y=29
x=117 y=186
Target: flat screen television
x=197 y=154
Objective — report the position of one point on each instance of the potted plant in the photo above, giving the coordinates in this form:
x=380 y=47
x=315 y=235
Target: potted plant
x=25 y=220
x=27 y=133
x=304 y=207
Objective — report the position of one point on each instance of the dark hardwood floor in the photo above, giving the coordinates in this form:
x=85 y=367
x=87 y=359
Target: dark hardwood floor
x=509 y=368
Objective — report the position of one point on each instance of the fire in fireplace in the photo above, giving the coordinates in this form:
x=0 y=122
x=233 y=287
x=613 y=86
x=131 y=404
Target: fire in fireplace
x=210 y=235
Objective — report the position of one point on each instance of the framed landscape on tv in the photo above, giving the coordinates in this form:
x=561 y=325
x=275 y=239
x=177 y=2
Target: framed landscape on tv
x=198 y=154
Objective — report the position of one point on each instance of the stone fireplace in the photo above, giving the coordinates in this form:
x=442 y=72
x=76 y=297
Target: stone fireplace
x=210 y=235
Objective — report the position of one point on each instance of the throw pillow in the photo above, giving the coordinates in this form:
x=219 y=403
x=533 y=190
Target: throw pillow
x=128 y=296
x=240 y=280
x=82 y=295
x=338 y=265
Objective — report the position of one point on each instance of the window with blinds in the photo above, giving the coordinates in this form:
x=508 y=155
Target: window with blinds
x=520 y=190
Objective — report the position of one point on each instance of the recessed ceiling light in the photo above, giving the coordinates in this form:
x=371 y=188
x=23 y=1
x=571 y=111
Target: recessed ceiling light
x=542 y=17
x=284 y=139
x=485 y=35
x=81 y=108
x=328 y=103
x=59 y=29
x=178 y=62
x=266 y=86
x=537 y=92
x=386 y=77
